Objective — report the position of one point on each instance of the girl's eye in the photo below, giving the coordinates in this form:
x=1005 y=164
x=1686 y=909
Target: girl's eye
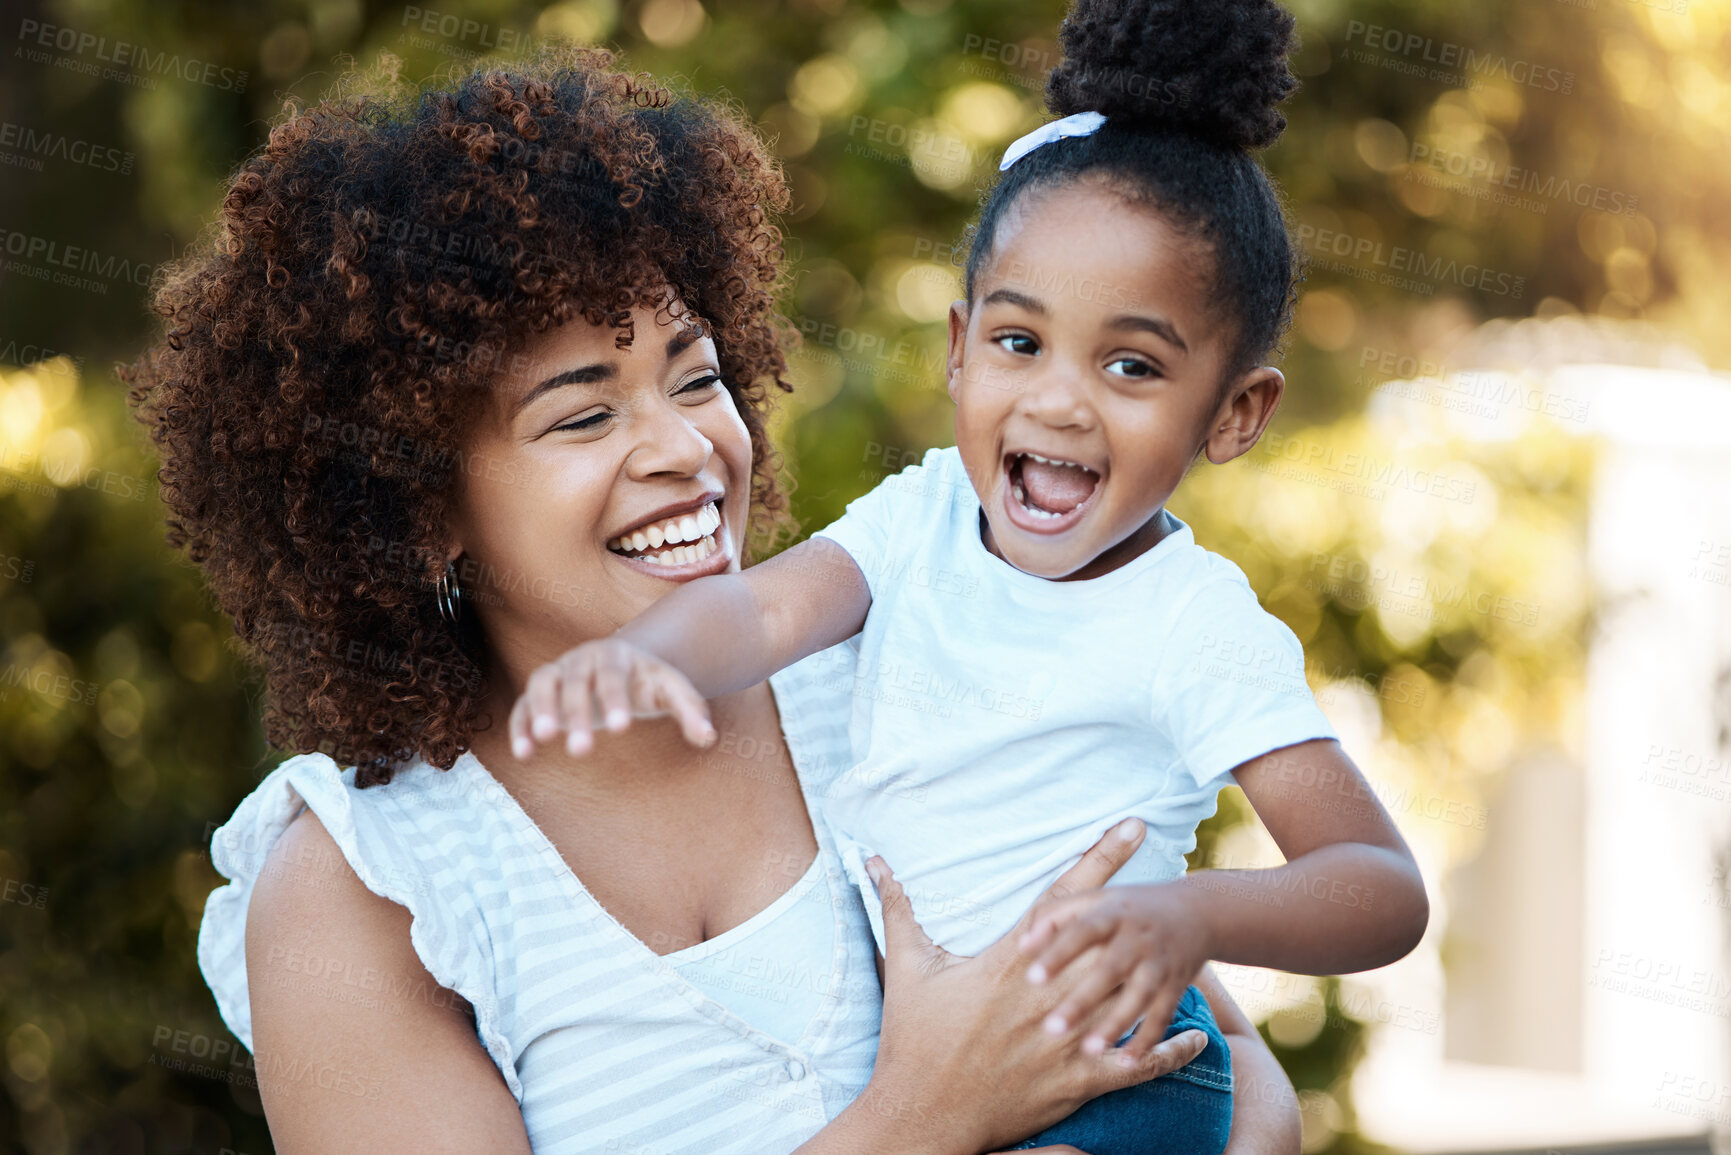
x=701 y=385
x=1132 y=367
x=584 y=424
x=1018 y=343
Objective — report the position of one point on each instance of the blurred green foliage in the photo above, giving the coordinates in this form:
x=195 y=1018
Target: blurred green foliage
x=127 y=732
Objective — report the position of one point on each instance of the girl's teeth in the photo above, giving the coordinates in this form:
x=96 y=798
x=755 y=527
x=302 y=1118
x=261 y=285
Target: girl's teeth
x=1022 y=496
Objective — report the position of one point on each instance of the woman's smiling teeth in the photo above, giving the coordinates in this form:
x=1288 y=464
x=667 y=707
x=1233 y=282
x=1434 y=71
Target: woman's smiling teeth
x=1049 y=488
x=696 y=530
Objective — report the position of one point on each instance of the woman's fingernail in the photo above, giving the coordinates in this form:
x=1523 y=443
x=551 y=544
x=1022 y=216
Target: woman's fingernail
x=544 y=726
x=618 y=719
x=1126 y=1060
x=522 y=747
x=1093 y=1045
x=1036 y=973
x=1127 y=829
x=1055 y=1024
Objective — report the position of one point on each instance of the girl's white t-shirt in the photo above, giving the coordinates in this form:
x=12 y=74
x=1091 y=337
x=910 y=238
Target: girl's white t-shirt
x=1003 y=722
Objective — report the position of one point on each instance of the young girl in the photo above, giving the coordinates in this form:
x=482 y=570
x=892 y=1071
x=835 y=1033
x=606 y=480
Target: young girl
x=1043 y=649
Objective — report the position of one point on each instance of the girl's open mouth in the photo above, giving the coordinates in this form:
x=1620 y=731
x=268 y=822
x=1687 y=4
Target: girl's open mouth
x=684 y=545
x=1045 y=494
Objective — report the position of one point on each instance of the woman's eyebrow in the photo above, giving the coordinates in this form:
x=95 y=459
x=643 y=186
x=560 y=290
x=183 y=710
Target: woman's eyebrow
x=582 y=375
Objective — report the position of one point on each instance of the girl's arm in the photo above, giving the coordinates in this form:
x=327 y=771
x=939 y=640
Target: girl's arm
x=707 y=638
x=1349 y=898
x=733 y=630
x=1265 y=1115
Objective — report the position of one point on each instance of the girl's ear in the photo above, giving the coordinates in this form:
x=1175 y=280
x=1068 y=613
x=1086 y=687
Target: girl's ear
x=958 y=341
x=1244 y=414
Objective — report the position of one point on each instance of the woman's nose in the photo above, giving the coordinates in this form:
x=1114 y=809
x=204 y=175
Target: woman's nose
x=669 y=442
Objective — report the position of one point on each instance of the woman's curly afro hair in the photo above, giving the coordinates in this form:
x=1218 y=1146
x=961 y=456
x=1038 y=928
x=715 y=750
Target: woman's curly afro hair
x=373 y=267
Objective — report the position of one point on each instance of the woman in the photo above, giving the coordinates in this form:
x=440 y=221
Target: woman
x=445 y=349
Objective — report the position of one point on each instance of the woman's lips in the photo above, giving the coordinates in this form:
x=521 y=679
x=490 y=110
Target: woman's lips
x=677 y=548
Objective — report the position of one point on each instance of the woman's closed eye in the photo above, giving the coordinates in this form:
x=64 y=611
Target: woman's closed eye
x=700 y=388
x=588 y=423
x=697 y=390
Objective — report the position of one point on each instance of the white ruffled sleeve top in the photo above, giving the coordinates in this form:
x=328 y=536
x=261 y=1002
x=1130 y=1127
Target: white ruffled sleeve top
x=606 y=1046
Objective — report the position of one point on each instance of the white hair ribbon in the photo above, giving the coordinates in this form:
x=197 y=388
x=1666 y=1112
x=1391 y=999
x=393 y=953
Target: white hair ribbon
x=1076 y=124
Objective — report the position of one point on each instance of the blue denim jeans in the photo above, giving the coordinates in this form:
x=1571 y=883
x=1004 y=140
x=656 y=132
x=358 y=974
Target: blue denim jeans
x=1188 y=1112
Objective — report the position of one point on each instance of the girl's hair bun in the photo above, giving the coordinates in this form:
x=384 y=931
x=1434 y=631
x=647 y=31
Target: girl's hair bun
x=1215 y=68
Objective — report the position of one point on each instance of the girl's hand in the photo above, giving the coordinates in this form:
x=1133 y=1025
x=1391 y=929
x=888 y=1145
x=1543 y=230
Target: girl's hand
x=962 y=1063
x=613 y=677
x=1149 y=944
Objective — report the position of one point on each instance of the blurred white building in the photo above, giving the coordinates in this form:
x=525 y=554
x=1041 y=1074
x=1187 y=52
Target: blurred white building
x=1574 y=988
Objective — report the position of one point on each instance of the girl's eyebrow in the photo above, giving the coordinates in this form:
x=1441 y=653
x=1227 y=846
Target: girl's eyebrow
x=1012 y=297
x=1159 y=326
x=1126 y=322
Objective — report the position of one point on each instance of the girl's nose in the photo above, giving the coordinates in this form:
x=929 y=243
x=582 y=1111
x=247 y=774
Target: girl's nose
x=1054 y=398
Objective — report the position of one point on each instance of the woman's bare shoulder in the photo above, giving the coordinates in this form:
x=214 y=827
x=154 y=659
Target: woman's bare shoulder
x=357 y=1047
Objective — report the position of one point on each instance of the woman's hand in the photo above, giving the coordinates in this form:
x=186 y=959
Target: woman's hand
x=618 y=679
x=962 y=1064
x=1150 y=946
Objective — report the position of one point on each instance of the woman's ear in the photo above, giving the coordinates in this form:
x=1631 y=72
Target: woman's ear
x=1244 y=414
x=958 y=341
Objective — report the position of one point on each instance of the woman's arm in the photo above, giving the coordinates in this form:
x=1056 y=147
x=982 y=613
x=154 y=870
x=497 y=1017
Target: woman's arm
x=1265 y=1116
x=398 y=1069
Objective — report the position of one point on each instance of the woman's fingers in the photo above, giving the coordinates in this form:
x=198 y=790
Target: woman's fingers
x=1156 y=1017
x=1101 y=861
x=905 y=940
x=1165 y=1058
